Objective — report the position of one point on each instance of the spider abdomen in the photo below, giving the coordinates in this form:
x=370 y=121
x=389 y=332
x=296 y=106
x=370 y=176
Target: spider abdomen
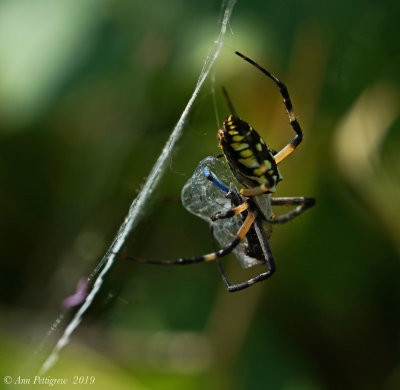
x=249 y=158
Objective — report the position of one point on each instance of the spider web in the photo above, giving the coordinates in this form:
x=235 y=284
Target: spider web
x=135 y=210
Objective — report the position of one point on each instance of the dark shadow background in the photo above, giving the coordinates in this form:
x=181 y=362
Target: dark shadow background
x=89 y=93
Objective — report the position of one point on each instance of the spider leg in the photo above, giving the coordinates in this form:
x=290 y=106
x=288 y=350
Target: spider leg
x=228 y=101
x=231 y=212
x=220 y=269
x=291 y=146
x=268 y=258
x=232 y=195
x=236 y=200
x=263 y=188
x=301 y=203
x=248 y=222
x=259 y=236
x=267 y=253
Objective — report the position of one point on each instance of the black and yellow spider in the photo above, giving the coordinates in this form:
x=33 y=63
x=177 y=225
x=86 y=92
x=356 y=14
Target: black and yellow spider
x=239 y=226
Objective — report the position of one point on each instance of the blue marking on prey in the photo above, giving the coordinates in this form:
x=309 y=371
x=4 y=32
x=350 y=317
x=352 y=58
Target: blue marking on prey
x=216 y=182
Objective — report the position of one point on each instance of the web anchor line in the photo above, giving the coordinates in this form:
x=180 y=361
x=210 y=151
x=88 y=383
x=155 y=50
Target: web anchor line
x=138 y=203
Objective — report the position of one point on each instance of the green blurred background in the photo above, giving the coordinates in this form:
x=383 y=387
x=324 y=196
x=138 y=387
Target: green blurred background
x=89 y=93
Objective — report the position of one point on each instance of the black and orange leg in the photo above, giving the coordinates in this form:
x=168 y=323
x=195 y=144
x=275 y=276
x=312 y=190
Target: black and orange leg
x=229 y=213
x=301 y=203
x=248 y=222
x=262 y=189
x=268 y=259
x=291 y=146
x=220 y=269
x=235 y=198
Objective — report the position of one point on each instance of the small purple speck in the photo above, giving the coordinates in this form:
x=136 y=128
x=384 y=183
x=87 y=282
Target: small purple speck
x=78 y=297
